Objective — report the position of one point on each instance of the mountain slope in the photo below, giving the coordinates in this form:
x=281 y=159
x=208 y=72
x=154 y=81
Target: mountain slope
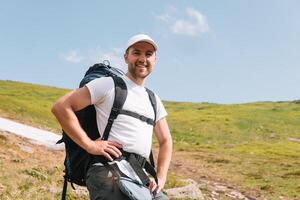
x=251 y=146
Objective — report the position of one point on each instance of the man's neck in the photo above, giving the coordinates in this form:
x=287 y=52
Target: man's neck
x=138 y=81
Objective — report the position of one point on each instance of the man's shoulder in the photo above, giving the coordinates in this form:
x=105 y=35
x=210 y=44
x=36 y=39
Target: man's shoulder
x=102 y=82
x=104 y=79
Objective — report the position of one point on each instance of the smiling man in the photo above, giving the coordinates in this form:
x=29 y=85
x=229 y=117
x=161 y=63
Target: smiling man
x=128 y=134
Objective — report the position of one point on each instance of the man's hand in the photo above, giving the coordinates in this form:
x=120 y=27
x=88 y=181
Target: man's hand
x=104 y=148
x=153 y=186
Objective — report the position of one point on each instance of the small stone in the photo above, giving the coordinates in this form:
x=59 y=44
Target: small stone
x=294 y=139
x=214 y=193
x=81 y=191
x=26 y=149
x=236 y=195
x=221 y=188
x=2 y=188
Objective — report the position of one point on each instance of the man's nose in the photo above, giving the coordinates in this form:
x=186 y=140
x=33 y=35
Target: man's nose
x=142 y=58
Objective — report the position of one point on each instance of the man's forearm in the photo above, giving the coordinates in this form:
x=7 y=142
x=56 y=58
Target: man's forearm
x=164 y=159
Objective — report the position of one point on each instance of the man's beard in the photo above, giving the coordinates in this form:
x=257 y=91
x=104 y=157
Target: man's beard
x=134 y=71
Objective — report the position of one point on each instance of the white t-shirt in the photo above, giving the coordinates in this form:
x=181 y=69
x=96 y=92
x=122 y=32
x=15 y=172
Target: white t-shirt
x=133 y=134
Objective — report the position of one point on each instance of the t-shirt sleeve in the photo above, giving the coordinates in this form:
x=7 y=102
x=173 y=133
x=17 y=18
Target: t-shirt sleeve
x=98 y=88
x=160 y=110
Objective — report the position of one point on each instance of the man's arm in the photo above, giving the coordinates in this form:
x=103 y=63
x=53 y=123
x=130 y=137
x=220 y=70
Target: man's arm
x=64 y=110
x=164 y=138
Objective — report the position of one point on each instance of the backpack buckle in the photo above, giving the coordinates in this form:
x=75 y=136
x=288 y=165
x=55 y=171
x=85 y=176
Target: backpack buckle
x=146 y=119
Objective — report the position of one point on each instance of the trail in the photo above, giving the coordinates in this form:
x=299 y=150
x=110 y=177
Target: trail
x=35 y=135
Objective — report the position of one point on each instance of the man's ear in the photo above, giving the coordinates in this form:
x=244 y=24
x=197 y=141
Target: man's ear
x=126 y=57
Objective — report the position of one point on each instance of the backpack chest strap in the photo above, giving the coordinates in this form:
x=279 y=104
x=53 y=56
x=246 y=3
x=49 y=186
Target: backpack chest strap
x=137 y=116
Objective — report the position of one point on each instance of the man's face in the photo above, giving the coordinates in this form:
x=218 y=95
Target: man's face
x=140 y=58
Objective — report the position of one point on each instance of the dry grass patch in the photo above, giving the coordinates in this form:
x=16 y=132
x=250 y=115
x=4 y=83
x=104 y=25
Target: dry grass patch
x=30 y=171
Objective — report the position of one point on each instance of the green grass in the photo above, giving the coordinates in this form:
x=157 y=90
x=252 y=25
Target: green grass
x=233 y=124
x=174 y=181
x=29 y=103
x=253 y=138
x=248 y=141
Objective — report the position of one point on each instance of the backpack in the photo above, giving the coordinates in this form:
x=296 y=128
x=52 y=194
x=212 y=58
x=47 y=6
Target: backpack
x=77 y=160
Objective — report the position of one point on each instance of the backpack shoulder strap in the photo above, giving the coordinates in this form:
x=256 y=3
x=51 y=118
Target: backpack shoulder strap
x=120 y=97
x=153 y=102
x=154 y=106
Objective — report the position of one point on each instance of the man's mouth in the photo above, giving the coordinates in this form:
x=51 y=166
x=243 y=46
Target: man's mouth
x=141 y=66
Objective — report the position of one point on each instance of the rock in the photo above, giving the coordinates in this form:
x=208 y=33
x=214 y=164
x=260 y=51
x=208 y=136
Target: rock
x=215 y=194
x=190 y=191
x=2 y=188
x=81 y=191
x=53 y=189
x=294 y=139
x=220 y=188
x=26 y=149
x=236 y=195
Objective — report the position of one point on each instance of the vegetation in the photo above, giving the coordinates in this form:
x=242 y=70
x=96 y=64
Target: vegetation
x=30 y=171
x=250 y=143
x=252 y=146
x=29 y=103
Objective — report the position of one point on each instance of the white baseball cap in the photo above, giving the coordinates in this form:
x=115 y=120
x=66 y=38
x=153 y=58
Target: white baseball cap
x=141 y=38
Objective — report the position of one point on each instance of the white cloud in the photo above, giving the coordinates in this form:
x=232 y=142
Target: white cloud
x=193 y=24
x=96 y=55
x=72 y=56
x=165 y=18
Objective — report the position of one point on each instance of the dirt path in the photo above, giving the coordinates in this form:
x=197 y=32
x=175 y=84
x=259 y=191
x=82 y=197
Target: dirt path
x=35 y=135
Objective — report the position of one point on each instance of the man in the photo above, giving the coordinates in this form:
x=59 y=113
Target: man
x=127 y=133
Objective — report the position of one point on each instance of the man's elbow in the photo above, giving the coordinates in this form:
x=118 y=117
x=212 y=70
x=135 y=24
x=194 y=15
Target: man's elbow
x=167 y=142
x=57 y=106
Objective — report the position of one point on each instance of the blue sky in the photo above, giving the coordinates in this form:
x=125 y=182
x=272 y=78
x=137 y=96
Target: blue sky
x=209 y=51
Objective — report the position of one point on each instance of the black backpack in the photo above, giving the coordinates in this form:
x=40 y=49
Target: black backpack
x=77 y=160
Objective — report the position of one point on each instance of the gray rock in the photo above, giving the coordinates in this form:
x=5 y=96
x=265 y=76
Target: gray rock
x=190 y=191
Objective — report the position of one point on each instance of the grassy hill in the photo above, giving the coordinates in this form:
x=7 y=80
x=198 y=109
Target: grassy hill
x=250 y=146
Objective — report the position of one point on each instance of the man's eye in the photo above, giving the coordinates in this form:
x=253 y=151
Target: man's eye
x=149 y=54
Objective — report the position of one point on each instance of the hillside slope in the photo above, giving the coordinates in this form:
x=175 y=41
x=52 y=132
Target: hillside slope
x=251 y=146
